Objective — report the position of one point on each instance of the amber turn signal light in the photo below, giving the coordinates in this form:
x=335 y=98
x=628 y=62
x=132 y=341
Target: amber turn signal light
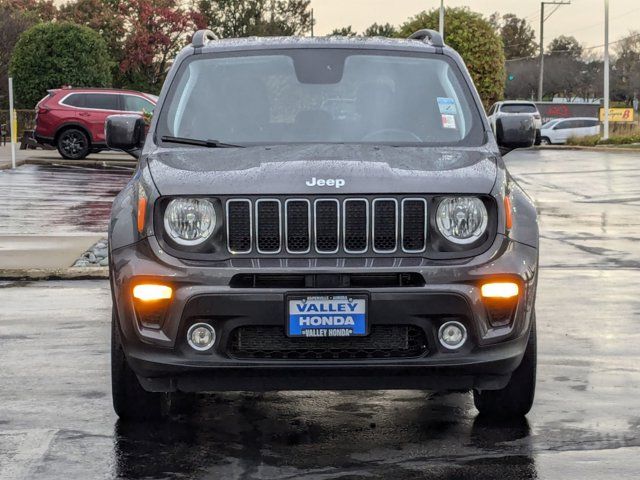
x=500 y=290
x=150 y=292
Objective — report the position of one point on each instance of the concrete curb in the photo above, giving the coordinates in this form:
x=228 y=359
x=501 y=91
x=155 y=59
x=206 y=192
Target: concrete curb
x=89 y=273
x=81 y=163
x=7 y=166
x=607 y=149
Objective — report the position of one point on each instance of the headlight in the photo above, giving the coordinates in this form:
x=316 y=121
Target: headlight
x=189 y=221
x=462 y=220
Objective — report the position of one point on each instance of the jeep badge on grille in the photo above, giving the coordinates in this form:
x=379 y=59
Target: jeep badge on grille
x=325 y=182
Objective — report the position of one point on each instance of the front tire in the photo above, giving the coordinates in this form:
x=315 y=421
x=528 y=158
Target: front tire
x=130 y=400
x=73 y=144
x=516 y=399
x=545 y=141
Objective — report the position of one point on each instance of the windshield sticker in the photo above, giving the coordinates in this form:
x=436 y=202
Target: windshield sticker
x=447 y=106
x=449 y=121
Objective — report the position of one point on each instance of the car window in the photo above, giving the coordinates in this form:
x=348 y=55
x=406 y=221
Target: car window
x=592 y=123
x=518 y=108
x=102 y=101
x=75 y=100
x=322 y=96
x=567 y=124
x=133 y=103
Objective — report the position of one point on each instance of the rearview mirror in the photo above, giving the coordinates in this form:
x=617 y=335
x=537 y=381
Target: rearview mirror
x=125 y=132
x=515 y=131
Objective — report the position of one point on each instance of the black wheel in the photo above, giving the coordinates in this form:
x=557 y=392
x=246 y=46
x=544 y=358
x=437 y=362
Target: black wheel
x=545 y=141
x=516 y=399
x=73 y=144
x=130 y=400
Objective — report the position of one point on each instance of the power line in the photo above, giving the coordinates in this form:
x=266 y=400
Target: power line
x=583 y=48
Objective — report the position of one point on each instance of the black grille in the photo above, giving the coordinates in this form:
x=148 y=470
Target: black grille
x=268 y=223
x=298 y=228
x=384 y=341
x=355 y=225
x=326 y=214
x=239 y=225
x=327 y=225
x=384 y=225
x=414 y=225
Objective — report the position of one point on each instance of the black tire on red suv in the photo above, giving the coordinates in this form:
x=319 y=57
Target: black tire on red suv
x=73 y=144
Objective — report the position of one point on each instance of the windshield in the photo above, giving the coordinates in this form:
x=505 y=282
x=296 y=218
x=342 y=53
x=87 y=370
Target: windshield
x=321 y=96
x=519 y=108
x=550 y=124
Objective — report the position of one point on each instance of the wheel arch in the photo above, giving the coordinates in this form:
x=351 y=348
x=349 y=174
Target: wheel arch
x=69 y=125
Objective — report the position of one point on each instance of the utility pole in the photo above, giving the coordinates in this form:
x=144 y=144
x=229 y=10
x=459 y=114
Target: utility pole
x=605 y=135
x=13 y=125
x=542 y=19
x=441 y=29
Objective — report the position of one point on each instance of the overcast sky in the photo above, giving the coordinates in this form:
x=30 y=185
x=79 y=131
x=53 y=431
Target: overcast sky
x=583 y=19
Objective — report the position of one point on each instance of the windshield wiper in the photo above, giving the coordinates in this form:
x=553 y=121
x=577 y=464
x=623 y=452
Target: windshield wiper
x=200 y=143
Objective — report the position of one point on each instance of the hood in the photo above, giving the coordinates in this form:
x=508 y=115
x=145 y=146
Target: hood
x=322 y=169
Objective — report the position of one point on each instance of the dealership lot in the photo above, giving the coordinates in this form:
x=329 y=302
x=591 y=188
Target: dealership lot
x=56 y=419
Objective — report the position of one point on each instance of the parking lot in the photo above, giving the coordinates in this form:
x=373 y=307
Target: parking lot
x=56 y=419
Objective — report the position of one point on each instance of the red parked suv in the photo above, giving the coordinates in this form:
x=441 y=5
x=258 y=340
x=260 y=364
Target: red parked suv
x=72 y=119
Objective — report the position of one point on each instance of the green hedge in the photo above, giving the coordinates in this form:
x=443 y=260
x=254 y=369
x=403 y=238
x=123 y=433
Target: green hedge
x=50 y=55
x=594 y=140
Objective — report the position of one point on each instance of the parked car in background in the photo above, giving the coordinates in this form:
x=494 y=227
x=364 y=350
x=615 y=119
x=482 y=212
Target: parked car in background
x=560 y=130
x=515 y=107
x=72 y=119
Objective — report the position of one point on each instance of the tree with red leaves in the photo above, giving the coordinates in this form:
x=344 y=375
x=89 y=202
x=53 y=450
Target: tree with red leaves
x=158 y=29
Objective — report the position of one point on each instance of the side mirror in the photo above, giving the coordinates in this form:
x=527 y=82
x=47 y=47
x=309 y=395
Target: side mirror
x=125 y=132
x=515 y=131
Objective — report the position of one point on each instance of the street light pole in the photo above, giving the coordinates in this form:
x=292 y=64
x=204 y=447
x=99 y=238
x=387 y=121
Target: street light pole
x=542 y=19
x=441 y=29
x=605 y=135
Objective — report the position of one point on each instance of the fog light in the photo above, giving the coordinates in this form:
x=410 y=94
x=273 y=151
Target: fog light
x=201 y=336
x=500 y=290
x=452 y=335
x=150 y=292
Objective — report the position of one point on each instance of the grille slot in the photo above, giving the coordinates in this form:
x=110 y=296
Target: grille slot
x=385 y=225
x=271 y=342
x=356 y=225
x=239 y=226
x=298 y=225
x=268 y=226
x=414 y=225
x=327 y=221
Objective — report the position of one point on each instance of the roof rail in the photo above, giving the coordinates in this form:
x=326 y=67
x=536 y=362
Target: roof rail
x=431 y=35
x=202 y=37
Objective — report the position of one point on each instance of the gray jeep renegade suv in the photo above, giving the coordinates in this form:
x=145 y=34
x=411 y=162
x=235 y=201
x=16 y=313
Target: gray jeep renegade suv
x=321 y=213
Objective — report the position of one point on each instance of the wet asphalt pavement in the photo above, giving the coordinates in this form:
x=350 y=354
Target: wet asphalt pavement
x=56 y=419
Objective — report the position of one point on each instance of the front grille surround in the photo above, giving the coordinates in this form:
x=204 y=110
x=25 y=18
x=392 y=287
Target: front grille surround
x=327 y=226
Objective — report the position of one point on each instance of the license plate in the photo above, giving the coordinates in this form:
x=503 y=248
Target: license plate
x=327 y=316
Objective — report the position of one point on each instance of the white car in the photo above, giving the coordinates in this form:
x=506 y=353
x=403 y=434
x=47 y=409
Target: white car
x=561 y=129
x=515 y=107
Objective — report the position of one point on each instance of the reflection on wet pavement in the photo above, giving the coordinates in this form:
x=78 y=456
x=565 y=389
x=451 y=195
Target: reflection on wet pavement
x=56 y=419
x=58 y=200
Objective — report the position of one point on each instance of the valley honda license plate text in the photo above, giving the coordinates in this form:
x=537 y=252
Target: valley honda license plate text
x=328 y=316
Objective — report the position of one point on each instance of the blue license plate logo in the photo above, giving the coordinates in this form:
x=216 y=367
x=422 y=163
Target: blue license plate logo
x=328 y=316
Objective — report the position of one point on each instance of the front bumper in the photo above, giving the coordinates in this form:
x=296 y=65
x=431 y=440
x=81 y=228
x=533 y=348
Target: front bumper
x=163 y=360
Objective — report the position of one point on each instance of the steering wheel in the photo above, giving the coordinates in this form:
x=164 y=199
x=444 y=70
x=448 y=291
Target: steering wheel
x=384 y=131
